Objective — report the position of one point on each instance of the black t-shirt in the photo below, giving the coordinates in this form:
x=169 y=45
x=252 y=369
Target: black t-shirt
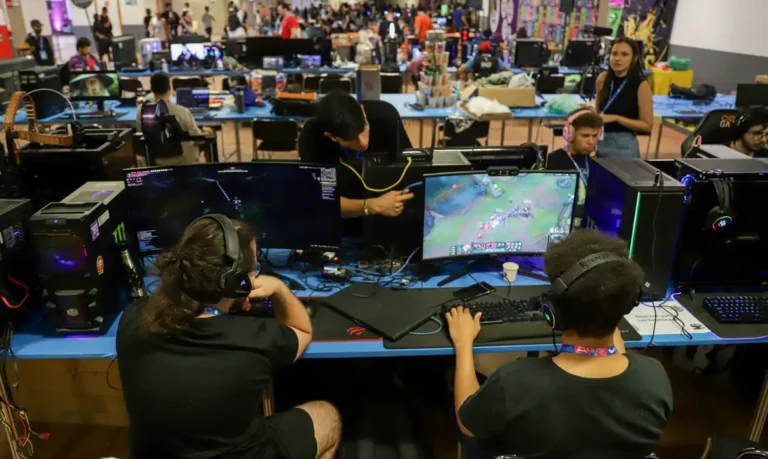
x=535 y=409
x=625 y=104
x=199 y=394
x=760 y=154
x=40 y=44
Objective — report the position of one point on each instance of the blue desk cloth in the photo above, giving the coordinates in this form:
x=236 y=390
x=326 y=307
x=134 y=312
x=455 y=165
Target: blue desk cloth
x=38 y=340
x=175 y=73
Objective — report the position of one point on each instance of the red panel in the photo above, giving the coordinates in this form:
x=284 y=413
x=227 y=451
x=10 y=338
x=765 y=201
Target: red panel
x=6 y=47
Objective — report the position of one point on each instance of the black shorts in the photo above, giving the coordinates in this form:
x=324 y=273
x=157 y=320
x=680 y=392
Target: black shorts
x=293 y=434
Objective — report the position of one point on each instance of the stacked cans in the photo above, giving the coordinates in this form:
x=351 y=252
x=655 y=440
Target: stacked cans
x=435 y=88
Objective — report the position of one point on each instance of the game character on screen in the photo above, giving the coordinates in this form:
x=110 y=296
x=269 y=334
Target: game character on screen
x=92 y=85
x=187 y=56
x=590 y=400
x=343 y=129
x=749 y=133
x=185 y=360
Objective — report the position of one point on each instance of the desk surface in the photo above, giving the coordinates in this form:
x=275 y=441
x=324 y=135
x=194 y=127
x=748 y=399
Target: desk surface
x=38 y=340
x=175 y=73
x=664 y=107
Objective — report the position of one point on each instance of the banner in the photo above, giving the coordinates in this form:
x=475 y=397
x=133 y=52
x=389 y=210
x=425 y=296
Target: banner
x=649 y=21
x=543 y=19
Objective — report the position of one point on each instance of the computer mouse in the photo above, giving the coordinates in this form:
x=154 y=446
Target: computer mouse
x=310 y=310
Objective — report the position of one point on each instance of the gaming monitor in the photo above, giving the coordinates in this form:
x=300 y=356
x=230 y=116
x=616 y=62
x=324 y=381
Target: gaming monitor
x=530 y=52
x=475 y=214
x=94 y=86
x=188 y=53
x=289 y=205
x=580 y=52
x=311 y=60
x=751 y=95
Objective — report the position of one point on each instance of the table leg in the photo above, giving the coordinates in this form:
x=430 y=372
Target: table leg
x=658 y=139
x=530 y=129
x=421 y=133
x=503 y=125
x=758 y=421
x=238 y=149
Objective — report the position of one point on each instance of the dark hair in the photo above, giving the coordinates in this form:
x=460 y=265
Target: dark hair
x=104 y=9
x=522 y=33
x=421 y=8
x=746 y=120
x=194 y=265
x=340 y=115
x=35 y=23
x=82 y=42
x=635 y=71
x=594 y=303
x=149 y=12
x=160 y=83
x=588 y=119
x=284 y=6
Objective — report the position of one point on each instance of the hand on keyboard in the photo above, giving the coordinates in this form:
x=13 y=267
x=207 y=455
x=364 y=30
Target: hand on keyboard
x=504 y=310
x=463 y=326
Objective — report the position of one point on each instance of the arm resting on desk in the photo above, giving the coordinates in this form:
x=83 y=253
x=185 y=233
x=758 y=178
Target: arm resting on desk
x=291 y=312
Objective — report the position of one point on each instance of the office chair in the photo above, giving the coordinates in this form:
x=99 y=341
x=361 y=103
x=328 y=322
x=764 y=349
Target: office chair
x=132 y=85
x=188 y=82
x=275 y=136
x=391 y=83
x=312 y=83
x=329 y=84
x=714 y=128
x=467 y=138
x=733 y=448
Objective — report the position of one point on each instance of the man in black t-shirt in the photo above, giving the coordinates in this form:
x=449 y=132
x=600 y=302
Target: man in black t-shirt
x=749 y=133
x=41 y=46
x=342 y=130
x=592 y=400
x=193 y=374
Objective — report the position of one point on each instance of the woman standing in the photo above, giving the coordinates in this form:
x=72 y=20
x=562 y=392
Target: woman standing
x=625 y=102
x=101 y=34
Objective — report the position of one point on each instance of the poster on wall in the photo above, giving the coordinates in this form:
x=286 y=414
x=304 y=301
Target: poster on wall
x=543 y=19
x=58 y=17
x=649 y=21
x=614 y=15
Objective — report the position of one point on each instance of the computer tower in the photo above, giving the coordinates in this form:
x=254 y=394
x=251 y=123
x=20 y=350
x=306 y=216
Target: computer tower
x=49 y=172
x=19 y=286
x=402 y=235
x=46 y=103
x=124 y=51
x=630 y=199
x=729 y=248
x=717 y=152
x=78 y=244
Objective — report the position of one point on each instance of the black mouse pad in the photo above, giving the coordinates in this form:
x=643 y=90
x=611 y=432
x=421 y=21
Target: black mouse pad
x=492 y=335
x=696 y=307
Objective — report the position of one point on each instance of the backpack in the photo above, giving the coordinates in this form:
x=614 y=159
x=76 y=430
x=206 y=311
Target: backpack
x=234 y=21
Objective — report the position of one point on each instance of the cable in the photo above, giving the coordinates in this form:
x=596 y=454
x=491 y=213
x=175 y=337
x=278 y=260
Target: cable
x=107 y=376
x=72 y=107
x=439 y=328
x=382 y=190
x=407 y=260
x=26 y=294
x=660 y=184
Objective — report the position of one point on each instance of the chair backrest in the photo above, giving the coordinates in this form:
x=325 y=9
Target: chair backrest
x=275 y=135
x=329 y=84
x=190 y=82
x=133 y=85
x=312 y=83
x=714 y=128
x=391 y=83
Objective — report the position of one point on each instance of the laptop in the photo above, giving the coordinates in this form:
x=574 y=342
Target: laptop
x=390 y=313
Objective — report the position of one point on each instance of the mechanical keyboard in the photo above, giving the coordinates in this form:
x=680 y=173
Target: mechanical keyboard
x=504 y=310
x=199 y=110
x=738 y=309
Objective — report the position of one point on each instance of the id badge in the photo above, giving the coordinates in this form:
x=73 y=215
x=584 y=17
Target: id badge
x=43 y=55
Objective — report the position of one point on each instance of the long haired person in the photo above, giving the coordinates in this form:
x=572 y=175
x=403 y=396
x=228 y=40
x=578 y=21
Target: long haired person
x=193 y=375
x=625 y=102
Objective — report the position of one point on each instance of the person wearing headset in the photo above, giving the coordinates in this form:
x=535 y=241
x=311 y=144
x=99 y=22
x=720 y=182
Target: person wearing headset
x=625 y=102
x=591 y=398
x=341 y=132
x=482 y=65
x=193 y=374
x=750 y=131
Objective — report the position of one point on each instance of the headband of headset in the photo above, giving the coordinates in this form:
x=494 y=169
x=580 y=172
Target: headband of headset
x=581 y=267
x=568 y=128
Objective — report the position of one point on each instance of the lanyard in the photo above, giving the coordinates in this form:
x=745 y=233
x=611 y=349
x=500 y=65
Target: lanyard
x=348 y=154
x=210 y=310
x=582 y=175
x=589 y=351
x=614 y=94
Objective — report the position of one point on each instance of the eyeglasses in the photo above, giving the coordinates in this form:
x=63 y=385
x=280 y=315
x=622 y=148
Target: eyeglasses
x=759 y=134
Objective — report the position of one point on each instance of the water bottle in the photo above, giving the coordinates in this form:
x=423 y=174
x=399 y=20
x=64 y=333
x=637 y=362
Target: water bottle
x=164 y=66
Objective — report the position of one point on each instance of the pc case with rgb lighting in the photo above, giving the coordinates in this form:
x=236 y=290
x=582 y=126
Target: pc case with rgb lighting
x=726 y=246
x=624 y=200
x=78 y=244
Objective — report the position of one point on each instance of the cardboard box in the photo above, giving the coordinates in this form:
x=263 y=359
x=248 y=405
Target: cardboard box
x=511 y=97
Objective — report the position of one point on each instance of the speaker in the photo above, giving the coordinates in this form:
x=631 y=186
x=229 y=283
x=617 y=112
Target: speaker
x=566 y=6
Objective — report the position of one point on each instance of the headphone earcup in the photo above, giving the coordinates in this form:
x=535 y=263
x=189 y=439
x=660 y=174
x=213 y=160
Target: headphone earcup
x=549 y=311
x=237 y=285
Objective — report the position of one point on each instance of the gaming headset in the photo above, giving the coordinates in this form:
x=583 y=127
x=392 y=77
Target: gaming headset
x=568 y=131
x=740 y=126
x=721 y=216
x=701 y=92
x=233 y=283
x=547 y=303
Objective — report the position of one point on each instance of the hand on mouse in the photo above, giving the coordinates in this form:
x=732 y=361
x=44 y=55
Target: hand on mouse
x=390 y=204
x=462 y=327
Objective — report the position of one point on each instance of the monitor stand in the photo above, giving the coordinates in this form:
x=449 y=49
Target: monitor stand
x=471 y=266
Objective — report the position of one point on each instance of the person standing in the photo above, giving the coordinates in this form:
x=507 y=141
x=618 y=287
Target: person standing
x=235 y=27
x=208 y=21
x=171 y=21
x=422 y=24
x=158 y=29
x=101 y=35
x=188 y=25
x=459 y=21
x=41 y=46
x=289 y=27
x=625 y=102
x=147 y=22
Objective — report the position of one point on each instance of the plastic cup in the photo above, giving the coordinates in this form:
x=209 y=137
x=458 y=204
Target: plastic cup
x=510 y=271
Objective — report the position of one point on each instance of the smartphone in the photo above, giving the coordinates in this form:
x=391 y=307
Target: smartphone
x=474 y=291
x=417 y=107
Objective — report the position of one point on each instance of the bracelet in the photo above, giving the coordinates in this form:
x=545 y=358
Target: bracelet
x=365 y=207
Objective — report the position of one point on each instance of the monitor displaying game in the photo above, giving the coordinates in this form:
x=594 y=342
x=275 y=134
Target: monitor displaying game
x=94 y=85
x=188 y=53
x=476 y=214
x=289 y=205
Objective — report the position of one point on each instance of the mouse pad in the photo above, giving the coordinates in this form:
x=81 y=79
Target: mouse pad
x=329 y=325
x=696 y=307
x=493 y=335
